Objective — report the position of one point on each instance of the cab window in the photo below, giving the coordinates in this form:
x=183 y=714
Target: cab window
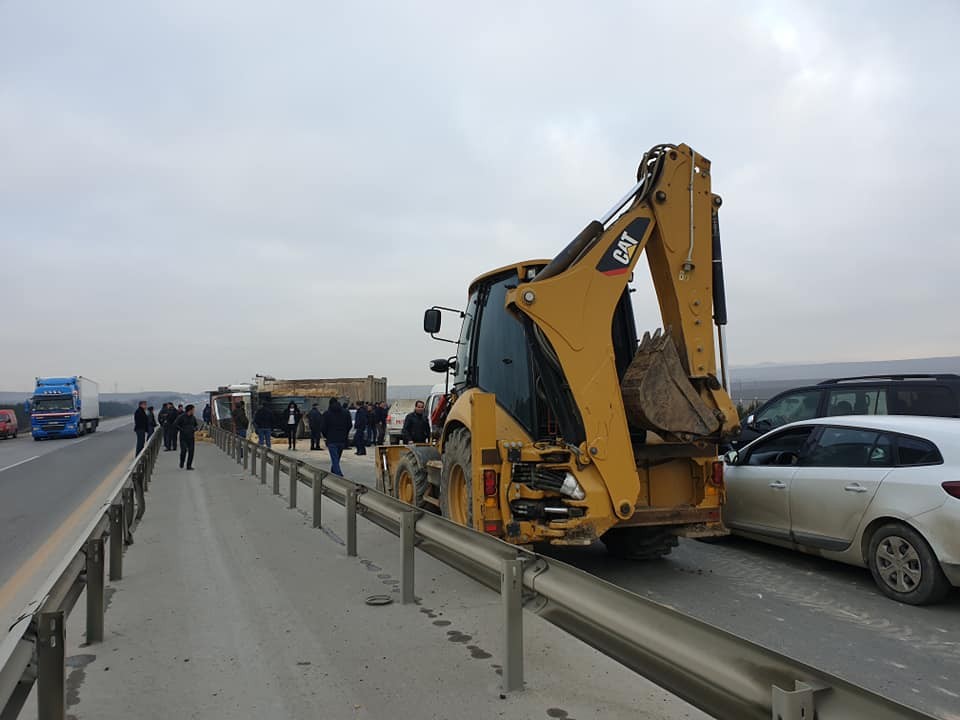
x=784 y=448
x=843 y=447
x=788 y=408
x=851 y=401
x=935 y=400
x=914 y=451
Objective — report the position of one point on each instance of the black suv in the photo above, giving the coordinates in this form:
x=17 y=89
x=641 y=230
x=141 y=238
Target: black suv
x=936 y=395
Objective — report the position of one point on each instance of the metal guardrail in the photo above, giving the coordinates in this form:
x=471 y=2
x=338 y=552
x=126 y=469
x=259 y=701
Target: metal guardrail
x=33 y=649
x=724 y=675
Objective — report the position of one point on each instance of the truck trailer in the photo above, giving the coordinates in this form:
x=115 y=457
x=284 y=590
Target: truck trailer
x=64 y=407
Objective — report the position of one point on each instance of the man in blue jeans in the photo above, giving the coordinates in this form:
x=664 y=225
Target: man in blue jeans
x=336 y=429
x=263 y=419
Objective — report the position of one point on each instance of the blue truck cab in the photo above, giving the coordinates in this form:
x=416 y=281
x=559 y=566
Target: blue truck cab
x=64 y=407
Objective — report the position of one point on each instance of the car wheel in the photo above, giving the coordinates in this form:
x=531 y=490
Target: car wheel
x=904 y=567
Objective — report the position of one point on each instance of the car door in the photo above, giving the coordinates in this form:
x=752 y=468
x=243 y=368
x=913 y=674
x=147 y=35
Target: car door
x=758 y=484
x=834 y=484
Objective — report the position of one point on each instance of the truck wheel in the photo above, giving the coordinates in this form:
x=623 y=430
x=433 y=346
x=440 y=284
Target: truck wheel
x=456 y=479
x=410 y=483
x=904 y=567
x=639 y=543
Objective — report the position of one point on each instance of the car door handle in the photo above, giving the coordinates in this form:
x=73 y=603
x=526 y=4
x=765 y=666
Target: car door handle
x=778 y=485
x=855 y=487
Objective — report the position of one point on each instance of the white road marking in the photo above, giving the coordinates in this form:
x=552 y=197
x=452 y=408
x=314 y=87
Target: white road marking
x=19 y=463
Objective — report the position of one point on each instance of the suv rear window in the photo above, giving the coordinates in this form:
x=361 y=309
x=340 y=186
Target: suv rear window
x=936 y=400
x=5 y=415
x=914 y=451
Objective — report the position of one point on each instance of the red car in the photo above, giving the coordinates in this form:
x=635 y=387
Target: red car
x=8 y=424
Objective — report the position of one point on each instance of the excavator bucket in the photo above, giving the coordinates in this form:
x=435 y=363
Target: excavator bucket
x=658 y=395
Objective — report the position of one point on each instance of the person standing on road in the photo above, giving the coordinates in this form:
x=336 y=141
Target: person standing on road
x=291 y=421
x=263 y=419
x=140 y=424
x=207 y=414
x=241 y=423
x=151 y=422
x=360 y=430
x=175 y=412
x=162 y=419
x=371 y=424
x=336 y=430
x=416 y=429
x=187 y=425
x=381 y=413
x=316 y=426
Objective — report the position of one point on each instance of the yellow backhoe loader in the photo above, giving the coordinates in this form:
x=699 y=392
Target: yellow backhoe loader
x=560 y=425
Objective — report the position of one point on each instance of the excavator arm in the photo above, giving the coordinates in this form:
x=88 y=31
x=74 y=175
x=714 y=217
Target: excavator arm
x=672 y=390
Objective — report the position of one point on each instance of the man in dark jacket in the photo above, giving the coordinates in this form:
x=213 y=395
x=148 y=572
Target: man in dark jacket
x=241 y=422
x=162 y=420
x=360 y=430
x=381 y=413
x=336 y=429
x=207 y=414
x=140 y=424
x=151 y=422
x=316 y=426
x=263 y=419
x=416 y=429
x=186 y=425
x=172 y=416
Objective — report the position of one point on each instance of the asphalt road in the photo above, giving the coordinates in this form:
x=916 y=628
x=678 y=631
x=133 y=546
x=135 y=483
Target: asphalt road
x=42 y=484
x=823 y=613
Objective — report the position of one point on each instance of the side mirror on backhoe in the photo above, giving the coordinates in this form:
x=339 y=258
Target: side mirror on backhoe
x=442 y=365
x=431 y=321
x=731 y=457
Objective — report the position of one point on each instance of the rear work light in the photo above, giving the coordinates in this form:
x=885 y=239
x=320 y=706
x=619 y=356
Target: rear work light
x=952 y=487
x=716 y=477
x=490 y=483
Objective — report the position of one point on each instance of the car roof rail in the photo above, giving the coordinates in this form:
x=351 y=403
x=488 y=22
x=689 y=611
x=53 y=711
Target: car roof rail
x=894 y=376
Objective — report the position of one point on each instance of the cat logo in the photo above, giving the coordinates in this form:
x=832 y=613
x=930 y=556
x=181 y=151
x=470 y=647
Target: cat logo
x=619 y=256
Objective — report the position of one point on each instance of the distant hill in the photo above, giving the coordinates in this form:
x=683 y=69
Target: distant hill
x=761 y=382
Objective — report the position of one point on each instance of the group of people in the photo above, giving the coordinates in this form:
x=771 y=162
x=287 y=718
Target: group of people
x=176 y=422
x=369 y=425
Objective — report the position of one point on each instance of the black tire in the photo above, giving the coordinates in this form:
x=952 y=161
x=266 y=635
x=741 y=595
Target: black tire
x=639 y=543
x=904 y=566
x=417 y=472
x=456 y=479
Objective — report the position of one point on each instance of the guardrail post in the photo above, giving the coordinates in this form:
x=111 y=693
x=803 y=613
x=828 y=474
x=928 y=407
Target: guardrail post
x=127 y=495
x=408 y=529
x=352 y=495
x=95 y=590
x=239 y=453
x=318 y=497
x=139 y=490
x=292 y=494
x=116 y=541
x=276 y=473
x=51 y=671
x=511 y=589
x=245 y=453
x=263 y=465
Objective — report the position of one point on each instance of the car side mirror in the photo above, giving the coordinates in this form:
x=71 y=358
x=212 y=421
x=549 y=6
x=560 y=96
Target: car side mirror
x=440 y=365
x=751 y=421
x=731 y=457
x=431 y=321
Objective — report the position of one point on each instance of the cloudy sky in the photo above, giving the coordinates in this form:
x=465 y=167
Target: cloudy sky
x=194 y=192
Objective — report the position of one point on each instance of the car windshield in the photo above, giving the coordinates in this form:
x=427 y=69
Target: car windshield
x=53 y=403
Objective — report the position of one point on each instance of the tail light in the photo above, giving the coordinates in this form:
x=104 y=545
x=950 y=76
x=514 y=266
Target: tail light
x=493 y=527
x=952 y=487
x=389 y=418
x=717 y=476
x=490 y=483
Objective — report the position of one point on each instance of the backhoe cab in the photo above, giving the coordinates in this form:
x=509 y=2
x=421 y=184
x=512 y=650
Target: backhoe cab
x=561 y=425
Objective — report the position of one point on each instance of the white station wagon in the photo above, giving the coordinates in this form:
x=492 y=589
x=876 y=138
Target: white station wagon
x=881 y=492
